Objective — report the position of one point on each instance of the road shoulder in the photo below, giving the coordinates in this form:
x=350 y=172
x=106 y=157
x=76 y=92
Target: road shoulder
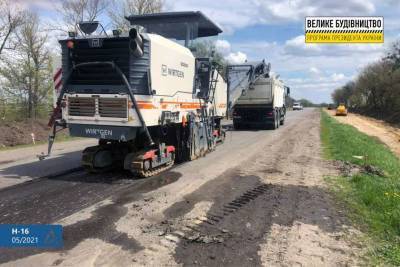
x=21 y=164
x=386 y=133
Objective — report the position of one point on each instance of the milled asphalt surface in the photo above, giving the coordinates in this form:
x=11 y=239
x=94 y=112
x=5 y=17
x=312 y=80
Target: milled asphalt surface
x=47 y=200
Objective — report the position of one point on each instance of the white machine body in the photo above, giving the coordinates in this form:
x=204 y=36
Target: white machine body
x=171 y=81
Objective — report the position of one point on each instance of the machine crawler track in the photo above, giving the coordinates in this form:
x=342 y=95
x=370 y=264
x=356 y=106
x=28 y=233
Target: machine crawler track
x=140 y=172
x=151 y=162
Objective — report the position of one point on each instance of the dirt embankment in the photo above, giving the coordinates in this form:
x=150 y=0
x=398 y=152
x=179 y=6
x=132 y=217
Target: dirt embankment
x=386 y=133
x=19 y=133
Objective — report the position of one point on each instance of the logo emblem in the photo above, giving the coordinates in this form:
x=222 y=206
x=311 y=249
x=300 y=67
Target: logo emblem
x=164 y=70
x=95 y=43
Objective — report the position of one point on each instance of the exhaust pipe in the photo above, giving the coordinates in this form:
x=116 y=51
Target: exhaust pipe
x=135 y=43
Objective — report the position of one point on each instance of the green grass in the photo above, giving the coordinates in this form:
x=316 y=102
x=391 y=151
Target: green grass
x=373 y=201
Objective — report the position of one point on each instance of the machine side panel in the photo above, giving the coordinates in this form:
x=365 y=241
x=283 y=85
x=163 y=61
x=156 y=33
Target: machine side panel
x=172 y=67
x=278 y=93
x=139 y=70
x=220 y=99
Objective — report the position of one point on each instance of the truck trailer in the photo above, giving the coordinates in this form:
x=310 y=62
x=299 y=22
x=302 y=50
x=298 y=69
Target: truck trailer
x=257 y=98
x=143 y=94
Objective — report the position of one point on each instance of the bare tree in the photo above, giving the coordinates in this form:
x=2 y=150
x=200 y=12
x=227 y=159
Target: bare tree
x=74 y=11
x=10 y=19
x=119 y=9
x=27 y=71
x=393 y=54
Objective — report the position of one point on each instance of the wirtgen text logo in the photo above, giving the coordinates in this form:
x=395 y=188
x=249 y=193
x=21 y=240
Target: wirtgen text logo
x=344 y=30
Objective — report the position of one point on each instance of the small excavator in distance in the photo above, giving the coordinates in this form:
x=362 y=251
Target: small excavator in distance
x=341 y=110
x=144 y=95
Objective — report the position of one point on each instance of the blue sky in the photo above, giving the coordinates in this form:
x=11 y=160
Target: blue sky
x=274 y=30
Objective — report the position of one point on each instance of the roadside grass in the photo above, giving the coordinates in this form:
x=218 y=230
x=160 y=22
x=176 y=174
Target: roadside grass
x=373 y=201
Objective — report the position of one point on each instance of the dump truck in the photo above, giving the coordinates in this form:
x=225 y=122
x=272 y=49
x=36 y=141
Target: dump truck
x=256 y=97
x=143 y=94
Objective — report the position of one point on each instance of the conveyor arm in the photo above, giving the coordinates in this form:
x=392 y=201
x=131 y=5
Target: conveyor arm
x=242 y=76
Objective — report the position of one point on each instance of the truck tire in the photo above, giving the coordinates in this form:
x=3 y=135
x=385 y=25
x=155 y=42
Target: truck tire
x=275 y=122
x=278 y=119
x=282 y=120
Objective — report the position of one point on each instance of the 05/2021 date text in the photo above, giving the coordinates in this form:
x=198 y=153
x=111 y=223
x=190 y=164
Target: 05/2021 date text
x=24 y=240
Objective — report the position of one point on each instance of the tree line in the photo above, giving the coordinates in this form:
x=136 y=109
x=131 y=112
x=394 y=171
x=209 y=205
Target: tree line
x=27 y=52
x=376 y=89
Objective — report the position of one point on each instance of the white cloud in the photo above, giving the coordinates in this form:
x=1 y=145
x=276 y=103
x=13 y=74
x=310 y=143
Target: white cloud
x=237 y=58
x=338 y=77
x=297 y=46
x=238 y=14
x=223 y=46
x=298 y=9
x=294 y=56
x=314 y=71
x=322 y=79
x=316 y=88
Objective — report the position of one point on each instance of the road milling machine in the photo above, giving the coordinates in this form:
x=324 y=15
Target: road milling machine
x=144 y=95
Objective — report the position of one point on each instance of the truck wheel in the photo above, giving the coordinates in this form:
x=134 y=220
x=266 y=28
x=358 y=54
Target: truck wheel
x=278 y=119
x=275 y=123
x=282 y=121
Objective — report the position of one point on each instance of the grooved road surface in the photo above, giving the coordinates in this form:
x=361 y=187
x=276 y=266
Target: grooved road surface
x=259 y=199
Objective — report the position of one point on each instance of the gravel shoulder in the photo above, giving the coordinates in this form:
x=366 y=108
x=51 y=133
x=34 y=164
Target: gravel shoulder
x=29 y=153
x=258 y=200
x=386 y=133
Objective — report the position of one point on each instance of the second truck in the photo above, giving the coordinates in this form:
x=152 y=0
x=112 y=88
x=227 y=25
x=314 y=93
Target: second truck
x=257 y=98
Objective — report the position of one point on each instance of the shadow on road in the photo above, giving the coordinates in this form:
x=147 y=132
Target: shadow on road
x=45 y=167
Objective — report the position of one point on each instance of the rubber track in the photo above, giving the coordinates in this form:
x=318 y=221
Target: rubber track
x=144 y=174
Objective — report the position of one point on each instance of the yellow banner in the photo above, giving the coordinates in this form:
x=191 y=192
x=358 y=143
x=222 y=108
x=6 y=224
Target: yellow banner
x=344 y=37
x=340 y=30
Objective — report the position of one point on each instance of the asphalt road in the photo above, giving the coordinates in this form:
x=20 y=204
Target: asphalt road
x=123 y=217
x=46 y=200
